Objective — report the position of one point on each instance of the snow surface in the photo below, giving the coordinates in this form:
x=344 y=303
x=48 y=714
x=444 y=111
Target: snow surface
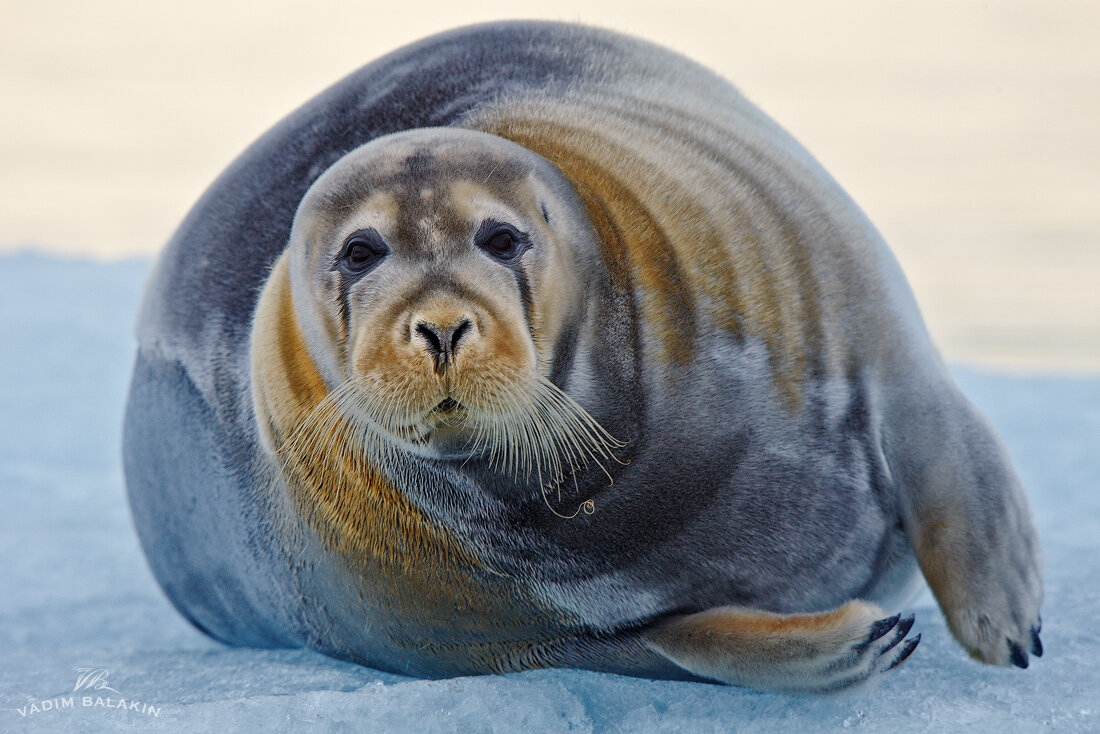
x=77 y=592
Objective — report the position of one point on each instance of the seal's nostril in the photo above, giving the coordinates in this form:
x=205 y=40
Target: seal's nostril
x=443 y=341
x=457 y=333
x=431 y=336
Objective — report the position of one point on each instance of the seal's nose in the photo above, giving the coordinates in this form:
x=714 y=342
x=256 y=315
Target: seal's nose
x=442 y=341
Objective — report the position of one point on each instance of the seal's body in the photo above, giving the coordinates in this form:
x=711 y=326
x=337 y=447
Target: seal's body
x=536 y=345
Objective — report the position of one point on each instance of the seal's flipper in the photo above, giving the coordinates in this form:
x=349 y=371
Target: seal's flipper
x=968 y=520
x=826 y=652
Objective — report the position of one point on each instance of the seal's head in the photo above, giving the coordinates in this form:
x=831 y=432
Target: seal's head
x=435 y=275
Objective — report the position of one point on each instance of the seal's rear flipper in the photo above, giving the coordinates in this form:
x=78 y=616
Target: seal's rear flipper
x=826 y=652
x=970 y=526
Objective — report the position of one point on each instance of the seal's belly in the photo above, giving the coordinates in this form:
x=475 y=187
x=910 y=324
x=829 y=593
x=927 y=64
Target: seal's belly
x=774 y=533
x=730 y=498
x=800 y=519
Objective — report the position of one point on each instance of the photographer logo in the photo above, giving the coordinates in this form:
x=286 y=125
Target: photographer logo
x=92 y=690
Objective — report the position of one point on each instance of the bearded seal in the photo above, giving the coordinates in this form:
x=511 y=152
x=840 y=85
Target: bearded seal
x=536 y=345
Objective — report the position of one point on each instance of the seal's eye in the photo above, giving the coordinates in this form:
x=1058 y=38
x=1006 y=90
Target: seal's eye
x=501 y=241
x=362 y=251
x=503 y=245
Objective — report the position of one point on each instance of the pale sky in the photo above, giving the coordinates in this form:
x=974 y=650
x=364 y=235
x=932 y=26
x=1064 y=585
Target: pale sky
x=968 y=131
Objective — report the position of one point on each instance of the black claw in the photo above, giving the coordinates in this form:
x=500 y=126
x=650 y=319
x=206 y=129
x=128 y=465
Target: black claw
x=899 y=634
x=1016 y=654
x=881 y=627
x=1036 y=643
x=906 y=650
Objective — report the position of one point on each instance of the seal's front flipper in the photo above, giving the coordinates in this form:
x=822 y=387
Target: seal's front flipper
x=822 y=653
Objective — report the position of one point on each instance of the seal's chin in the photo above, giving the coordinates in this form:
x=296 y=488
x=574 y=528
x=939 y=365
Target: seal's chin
x=449 y=435
x=443 y=433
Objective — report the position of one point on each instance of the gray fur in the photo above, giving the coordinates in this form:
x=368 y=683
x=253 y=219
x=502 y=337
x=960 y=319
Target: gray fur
x=725 y=497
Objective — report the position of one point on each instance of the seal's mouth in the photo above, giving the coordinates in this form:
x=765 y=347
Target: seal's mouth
x=445 y=423
x=448 y=413
x=443 y=429
x=447 y=405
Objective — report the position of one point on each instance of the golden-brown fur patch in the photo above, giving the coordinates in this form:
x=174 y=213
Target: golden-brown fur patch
x=692 y=247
